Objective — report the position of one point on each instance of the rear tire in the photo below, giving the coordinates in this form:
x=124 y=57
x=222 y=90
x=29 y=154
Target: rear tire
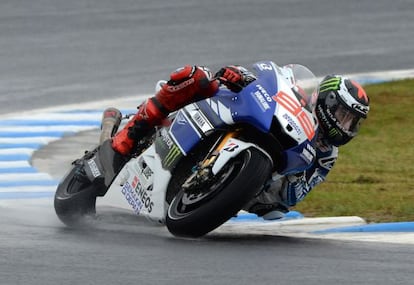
x=73 y=200
x=190 y=215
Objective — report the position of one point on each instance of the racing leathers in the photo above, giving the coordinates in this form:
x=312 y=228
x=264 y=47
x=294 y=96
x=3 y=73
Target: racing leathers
x=186 y=85
x=192 y=83
x=284 y=192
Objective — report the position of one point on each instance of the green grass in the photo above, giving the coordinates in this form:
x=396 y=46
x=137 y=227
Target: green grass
x=374 y=175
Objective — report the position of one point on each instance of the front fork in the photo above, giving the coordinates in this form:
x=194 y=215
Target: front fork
x=203 y=171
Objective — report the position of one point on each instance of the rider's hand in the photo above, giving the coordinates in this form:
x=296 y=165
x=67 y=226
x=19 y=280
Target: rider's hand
x=235 y=77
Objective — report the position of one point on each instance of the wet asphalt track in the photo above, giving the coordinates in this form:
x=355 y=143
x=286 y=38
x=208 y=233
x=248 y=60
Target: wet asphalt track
x=58 y=52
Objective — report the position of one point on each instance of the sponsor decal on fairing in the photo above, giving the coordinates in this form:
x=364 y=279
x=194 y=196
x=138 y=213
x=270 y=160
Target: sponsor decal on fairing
x=292 y=106
x=94 y=168
x=262 y=97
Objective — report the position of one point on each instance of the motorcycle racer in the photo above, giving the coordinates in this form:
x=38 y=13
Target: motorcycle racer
x=341 y=107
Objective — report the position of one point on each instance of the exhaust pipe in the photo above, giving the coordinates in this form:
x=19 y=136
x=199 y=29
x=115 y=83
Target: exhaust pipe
x=111 y=119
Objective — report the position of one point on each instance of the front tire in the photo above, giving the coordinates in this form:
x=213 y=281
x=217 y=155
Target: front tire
x=194 y=215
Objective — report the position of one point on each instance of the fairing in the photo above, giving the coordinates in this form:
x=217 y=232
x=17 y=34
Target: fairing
x=285 y=94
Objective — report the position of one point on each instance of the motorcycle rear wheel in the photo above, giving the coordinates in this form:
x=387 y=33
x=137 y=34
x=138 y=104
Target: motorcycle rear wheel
x=74 y=201
x=194 y=215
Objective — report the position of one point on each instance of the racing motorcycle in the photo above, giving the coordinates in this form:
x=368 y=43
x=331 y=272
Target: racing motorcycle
x=214 y=156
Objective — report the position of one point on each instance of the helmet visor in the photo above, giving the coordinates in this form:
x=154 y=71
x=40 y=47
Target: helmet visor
x=347 y=120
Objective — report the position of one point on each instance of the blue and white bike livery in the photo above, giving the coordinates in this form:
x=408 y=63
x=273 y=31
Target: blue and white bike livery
x=220 y=152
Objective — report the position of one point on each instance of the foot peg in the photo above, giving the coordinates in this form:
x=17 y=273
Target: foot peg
x=111 y=119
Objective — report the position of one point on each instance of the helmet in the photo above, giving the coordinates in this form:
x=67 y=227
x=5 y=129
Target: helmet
x=341 y=106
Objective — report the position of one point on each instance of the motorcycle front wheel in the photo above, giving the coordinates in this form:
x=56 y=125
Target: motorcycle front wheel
x=194 y=213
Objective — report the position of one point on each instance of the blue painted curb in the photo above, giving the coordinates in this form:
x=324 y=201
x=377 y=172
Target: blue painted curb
x=96 y=111
x=27 y=169
x=13 y=134
x=368 y=80
x=372 y=228
x=14 y=157
x=254 y=217
x=21 y=145
x=51 y=123
x=27 y=183
x=25 y=195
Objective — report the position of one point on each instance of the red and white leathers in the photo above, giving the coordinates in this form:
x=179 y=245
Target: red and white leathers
x=186 y=85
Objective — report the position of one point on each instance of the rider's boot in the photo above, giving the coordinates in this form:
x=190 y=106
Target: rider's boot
x=150 y=114
x=270 y=203
x=186 y=85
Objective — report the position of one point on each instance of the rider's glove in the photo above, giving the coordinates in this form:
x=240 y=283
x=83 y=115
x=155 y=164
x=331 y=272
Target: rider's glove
x=235 y=77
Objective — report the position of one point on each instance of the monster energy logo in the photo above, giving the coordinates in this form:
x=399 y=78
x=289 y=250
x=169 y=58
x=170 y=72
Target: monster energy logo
x=333 y=132
x=172 y=155
x=330 y=84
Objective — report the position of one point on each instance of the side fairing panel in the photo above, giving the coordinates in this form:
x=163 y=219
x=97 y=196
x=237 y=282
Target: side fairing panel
x=184 y=132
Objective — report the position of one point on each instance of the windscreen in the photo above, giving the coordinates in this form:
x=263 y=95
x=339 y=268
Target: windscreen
x=303 y=83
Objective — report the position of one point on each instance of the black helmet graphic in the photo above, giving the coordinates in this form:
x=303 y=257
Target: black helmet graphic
x=341 y=107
